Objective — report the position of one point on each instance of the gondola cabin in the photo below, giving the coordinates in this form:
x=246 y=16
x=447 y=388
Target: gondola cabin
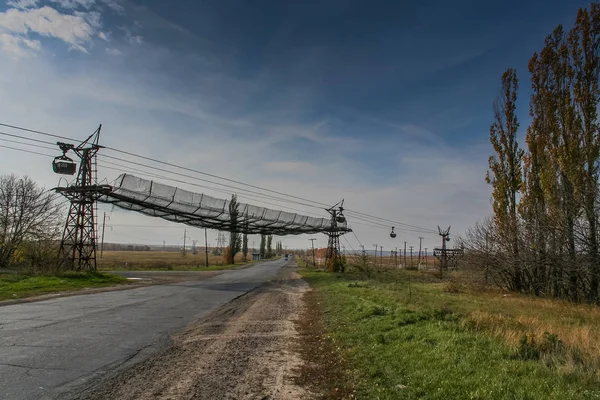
x=393 y=234
x=64 y=165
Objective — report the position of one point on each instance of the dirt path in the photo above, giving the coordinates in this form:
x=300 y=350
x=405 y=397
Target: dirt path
x=248 y=349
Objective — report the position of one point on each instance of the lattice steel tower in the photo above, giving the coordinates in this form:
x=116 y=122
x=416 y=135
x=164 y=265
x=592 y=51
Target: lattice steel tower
x=333 y=260
x=78 y=244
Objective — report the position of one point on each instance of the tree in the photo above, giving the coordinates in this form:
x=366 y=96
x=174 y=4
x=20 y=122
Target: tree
x=583 y=42
x=245 y=247
x=269 y=253
x=263 y=244
x=554 y=237
x=235 y=238
x=504 y=172
x=30 y=218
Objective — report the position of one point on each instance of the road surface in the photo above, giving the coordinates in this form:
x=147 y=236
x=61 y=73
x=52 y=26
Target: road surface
x=50 y=347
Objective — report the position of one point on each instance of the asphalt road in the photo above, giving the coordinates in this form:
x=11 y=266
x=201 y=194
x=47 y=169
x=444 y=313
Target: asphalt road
x=50 y=348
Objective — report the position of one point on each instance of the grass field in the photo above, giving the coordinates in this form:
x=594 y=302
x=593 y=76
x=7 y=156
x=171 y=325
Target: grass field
x=16 y=286
x=406 y=335
x=162 y=260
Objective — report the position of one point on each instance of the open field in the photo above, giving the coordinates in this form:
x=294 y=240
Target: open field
x=405 y=334
x=17 y=286
x=168 y=260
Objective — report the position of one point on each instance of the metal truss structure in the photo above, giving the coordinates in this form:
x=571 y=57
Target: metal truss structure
x=78 y=245
x=200 y=210
x=444 y=254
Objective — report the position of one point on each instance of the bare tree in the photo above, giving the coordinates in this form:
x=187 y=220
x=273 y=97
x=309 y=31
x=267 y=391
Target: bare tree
x=30 y=221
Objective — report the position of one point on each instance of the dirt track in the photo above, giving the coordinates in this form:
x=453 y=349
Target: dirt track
x=247 y=349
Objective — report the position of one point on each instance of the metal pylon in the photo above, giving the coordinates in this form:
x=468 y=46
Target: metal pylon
x=333 y=260
x=78 y=245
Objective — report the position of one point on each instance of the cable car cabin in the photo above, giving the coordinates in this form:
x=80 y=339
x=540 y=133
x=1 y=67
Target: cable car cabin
x=393 y=234
x=340 y=219
x=64 y=165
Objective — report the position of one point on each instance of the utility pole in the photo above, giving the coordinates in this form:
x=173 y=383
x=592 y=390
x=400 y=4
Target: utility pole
x=364 y=258
x=184 y=237
x=102 y=242
x=425 y=256
x=164 y=245
x=381 y=256
x=396 y=258
x=420 y=241
x=312 y=241
x=405 y=265
x=375 y=258
x=206 y=246
x=411 y=260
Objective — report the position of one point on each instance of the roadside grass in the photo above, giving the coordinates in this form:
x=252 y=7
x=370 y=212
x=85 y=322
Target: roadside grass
x=406 y=335
x=17 y=286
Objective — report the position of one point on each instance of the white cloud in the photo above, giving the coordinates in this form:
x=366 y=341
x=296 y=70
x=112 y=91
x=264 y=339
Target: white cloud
x=72 y=4
x=22 y=4
x=94 y=18
x=72 y=29
x=148 y=113
x=133 y=39
x=113 y=52
x=18 y=46
x=114 y=5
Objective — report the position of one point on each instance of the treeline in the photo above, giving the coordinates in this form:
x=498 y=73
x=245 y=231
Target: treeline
x=543 y=238
x=130 y=247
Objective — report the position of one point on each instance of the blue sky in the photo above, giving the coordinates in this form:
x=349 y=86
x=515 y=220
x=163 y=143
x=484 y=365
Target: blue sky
x=386 y=104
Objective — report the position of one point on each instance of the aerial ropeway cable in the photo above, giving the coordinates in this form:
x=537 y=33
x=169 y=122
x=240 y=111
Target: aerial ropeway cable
x=268 y=193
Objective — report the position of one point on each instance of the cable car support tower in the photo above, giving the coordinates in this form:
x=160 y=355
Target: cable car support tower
x=334 y=260
x=78 y=244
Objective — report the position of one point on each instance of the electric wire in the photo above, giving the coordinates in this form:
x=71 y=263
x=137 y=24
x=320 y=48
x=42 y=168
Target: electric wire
x=349 y=211
x=149 y=174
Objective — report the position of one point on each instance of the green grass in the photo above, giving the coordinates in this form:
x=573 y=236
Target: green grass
x=16 y=286
x=420 y=343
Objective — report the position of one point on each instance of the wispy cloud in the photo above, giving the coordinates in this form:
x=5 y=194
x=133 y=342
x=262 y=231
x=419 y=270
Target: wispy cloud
x=17 y=46
x=73 y=4
x=46 y=21
x=113 y=52
x=22 y=4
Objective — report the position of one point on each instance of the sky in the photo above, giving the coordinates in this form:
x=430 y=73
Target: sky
x=386 y=105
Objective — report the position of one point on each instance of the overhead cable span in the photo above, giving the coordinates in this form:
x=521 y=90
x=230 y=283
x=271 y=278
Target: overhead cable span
x=149 y=197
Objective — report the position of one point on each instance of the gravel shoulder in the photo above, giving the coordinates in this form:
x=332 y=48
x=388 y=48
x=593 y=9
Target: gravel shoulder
x=247 y=349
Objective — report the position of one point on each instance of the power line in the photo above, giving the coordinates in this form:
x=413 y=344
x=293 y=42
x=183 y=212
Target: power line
x=39 y=132
x=160 y=176
x=247 y=196
x=205 y=180
x=128 y=168
x=372 y=217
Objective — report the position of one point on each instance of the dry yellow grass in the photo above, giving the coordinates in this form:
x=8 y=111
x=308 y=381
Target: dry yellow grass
x=563 y=334
x=157 y=260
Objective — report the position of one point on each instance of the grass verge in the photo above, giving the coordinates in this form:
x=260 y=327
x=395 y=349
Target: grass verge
x=404 y=335
x=17 y=286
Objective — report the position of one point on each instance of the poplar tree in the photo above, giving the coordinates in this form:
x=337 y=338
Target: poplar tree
x=583 y=43
x=263 y=244
x=269 y=246
x=234 y=237
x=505 y=174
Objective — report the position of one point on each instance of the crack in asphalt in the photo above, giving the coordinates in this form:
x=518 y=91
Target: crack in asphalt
x=35 y=368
